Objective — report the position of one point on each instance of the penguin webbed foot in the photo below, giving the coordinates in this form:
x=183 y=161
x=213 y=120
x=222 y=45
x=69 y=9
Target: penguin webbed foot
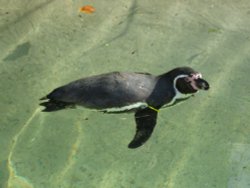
x=145 y=122
x=52 y=105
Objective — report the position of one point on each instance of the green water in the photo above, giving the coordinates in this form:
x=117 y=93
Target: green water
x=203 y=142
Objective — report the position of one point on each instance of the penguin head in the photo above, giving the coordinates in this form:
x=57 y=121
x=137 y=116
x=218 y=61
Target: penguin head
x=188 y=81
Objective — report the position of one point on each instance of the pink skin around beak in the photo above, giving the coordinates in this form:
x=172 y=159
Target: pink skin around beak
x=192 y=79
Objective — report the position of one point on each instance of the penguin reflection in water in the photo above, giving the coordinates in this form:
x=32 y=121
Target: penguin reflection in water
x=119 y=92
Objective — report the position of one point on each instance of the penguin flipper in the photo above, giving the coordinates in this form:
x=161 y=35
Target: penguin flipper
x=145 y=122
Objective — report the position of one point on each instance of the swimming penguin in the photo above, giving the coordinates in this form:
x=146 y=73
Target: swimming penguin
x=118 y=92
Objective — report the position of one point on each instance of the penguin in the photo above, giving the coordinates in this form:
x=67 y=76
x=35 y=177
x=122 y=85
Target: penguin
x=119 y=92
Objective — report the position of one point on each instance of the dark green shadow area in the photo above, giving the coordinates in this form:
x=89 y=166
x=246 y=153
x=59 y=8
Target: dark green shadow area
x=20 y=51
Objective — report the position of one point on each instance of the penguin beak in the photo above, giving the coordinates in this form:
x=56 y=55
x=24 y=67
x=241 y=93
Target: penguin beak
x=197 y=83
x=201 y=84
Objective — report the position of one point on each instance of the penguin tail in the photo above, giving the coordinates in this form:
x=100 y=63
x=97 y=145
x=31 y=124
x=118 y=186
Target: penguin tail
x=53 y=105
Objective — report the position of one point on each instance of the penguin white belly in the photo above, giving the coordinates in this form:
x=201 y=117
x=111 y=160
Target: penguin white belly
x=125 y=108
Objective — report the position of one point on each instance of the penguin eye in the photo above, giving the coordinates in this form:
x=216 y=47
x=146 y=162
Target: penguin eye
x=187 y=79
x=196 y=75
